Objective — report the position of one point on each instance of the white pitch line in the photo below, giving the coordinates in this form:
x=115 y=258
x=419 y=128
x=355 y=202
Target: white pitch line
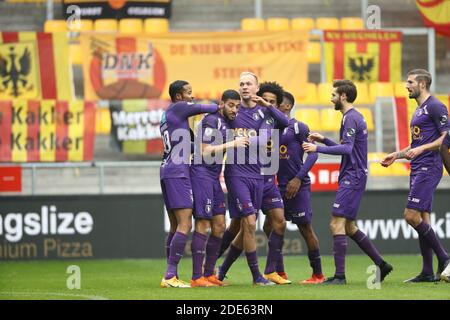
x=52 y=294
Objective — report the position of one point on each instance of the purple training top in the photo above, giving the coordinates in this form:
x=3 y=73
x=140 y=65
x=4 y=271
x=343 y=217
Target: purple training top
x=428 y=122
x=353 y=148
x=212 y=129
x=291 y=154
x=176 y=164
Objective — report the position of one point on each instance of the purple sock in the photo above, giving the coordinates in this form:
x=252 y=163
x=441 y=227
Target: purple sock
x=231 y=257
x=427 y=232
x=427 y=256
x=280 y=263
x=212 y=253
x=168 y=241
x=176 y=253
x=367 y=246
x=226 y=241
x=315 y=262
x=339 y=250
x=275 y=248
x=252 y=261
x=198 y=254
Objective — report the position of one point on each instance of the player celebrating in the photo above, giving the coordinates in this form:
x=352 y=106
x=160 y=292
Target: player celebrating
x=352 y=180
x=244 y=180
x=429 y=126
x=209 y=200
x=295 y=186
x=174 y=174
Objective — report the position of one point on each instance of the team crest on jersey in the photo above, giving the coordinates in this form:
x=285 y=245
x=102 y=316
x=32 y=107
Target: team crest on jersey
x=255 y=116
x=443 y=119
x=269 y=120
x=208 y=132
x=350 y=132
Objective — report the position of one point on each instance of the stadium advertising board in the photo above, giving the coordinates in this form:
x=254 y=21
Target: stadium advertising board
x=142 y=67
x=117 y=9
x=135 y=226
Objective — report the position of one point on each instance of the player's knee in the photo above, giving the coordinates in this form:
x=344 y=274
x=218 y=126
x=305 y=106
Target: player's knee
x=185 y=226
x=218 y=229
x=267 y=227
x=250 y=225
x=412 y=217
x=280 y=226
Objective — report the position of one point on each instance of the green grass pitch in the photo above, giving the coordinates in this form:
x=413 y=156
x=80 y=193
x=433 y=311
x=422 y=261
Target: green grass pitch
x=139 y=279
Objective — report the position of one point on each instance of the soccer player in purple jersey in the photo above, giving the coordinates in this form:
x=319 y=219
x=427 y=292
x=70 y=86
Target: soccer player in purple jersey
x=209 y=200
x=352 y=180
x=175 y=176
x=295 y=185
x=244 y=180
x=445 y=152
x=429 y=125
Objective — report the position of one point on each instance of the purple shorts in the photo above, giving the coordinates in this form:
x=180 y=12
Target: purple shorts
x=422 y=185
x=298 y=210
x=347 y=202
x=177 y=193
x=209 y=199
x=271 y=196
x=244 y=196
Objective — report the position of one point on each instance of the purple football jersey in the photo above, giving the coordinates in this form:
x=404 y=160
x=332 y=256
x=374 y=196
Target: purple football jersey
x=173 y=119
x=248 y=123
x=427 y=123
x=212 y=130
x=353 y=148
x=447 y=139
x=291 y=154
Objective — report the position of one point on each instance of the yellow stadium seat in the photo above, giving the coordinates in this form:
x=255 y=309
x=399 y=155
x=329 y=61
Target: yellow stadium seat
x=381 y=89
x=399 y=169
x=367 y=114
x=55 y=26
x=363 y=96
x=400 y=89
x=102 y=121
x=330 y=119
x=277 y=24
x=130 y=26
x=156 y=25
x=310 y=117
x=308 y=94
x=83 y=26
x=105 y=25
x=352 y=23
x=327 y=23
x=313 y=52
x=377 y=170
x=253 y=24
x=302 y=24
x=324 y=91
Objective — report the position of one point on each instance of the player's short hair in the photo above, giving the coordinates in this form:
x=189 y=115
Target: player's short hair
x=347 y=87
x=230 y=95
x=289 y=97
x=271 y=87
x=176 y=87
x=248 y=73
x=421 y=75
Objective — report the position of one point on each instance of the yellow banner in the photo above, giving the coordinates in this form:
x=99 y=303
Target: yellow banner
x=119 y=67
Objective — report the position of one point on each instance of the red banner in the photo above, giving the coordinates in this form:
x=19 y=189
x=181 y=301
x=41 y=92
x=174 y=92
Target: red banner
x=324 y=176
x=10 y=179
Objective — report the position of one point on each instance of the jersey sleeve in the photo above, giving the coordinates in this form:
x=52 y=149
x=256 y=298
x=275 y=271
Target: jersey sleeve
x=209 y=130
x=350 y=127
x=439 y=116
x=185 y=110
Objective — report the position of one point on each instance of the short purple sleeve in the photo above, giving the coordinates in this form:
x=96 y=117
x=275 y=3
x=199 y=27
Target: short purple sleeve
x=439 y=116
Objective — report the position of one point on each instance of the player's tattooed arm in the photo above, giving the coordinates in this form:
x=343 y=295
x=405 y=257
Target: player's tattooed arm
x=432 y=146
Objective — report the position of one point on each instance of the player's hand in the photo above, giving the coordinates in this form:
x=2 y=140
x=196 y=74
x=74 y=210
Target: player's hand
x=309 y=147
x=241 y=142
x=389 y=159
x=292 y=188
x=259 y=100
x=316 y=137
x=413 y=153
